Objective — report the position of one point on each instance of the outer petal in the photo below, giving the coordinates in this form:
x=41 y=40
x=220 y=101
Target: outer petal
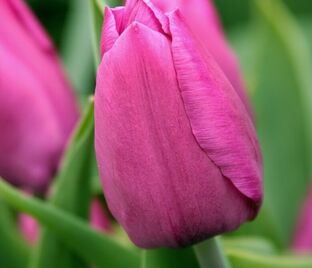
x=303 y=235
x=158 y=182
x=218 y=118
x=111 y=28
x=22 y=35
x=201 y=17
x=31 y=139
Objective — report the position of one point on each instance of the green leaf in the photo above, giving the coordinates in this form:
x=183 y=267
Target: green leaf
x=76 y=47
x=283 y=101
x=245 y=259
x=248 y=243
x=14 y=252
x=278 y=64
x=169 y=258
x=74 y=177
x=91 y=245
x=96 y=21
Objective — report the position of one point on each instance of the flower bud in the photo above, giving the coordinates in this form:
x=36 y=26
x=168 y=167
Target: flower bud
x=37 y=107
x=177 y=151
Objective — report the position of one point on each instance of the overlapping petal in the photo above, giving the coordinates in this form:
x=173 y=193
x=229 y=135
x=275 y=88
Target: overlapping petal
x=219 y=120
x=202 y=19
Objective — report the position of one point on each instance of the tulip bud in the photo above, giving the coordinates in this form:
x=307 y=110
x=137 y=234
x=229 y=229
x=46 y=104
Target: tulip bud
x=37 y=107
x=302 y=242
x=177 y=151
x=98 y=217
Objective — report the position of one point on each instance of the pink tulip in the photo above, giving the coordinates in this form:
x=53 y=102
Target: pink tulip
x=98 y=217
x=303 y=235
x=29 y=228
x=177 y=151
x=37 y=106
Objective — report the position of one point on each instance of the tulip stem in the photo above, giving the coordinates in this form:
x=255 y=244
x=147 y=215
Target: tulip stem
x=210 y=254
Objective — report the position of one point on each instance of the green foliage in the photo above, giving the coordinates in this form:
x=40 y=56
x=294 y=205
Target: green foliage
x=75 y=233
x=13 y=250
x=74 y=178
x=168 y=258
x=276 y=56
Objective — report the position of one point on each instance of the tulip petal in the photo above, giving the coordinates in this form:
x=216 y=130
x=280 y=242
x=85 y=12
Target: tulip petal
x=159 y=184
x=202 y=19
x=140 y=11
x=112 y=21
x=23 y=37
x=218 y=118
x=31 y=139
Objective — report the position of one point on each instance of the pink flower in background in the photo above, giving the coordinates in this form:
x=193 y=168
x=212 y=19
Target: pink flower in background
x=99 y=218
x=176 y=148
x=302 y=242
x=37 y=107
x=29 y=228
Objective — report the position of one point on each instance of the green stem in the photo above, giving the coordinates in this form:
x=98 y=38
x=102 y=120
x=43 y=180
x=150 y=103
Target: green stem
x=210 y=254
x=95 y=248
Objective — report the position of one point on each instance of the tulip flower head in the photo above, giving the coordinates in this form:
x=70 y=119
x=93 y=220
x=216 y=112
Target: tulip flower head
x=37 y=107
x=176 y=148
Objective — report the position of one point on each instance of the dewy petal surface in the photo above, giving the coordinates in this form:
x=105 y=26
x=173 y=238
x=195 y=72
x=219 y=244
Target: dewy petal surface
x=159 y=184
x=202 y=19
x=218 y=118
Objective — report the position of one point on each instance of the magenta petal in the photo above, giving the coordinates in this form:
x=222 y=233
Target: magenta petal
x=31 y=139
x=202 y=19
x=110 y=32
x=159 y=184
x=22 y=35
x=140 y=11
x=218 y=118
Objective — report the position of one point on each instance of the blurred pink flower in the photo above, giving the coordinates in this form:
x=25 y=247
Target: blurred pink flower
x=176 y=148
x=29 y=228
x=37 y=107
x=99 y=218
x=302 y=242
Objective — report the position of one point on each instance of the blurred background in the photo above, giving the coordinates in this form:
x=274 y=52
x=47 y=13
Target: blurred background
x=273 y=40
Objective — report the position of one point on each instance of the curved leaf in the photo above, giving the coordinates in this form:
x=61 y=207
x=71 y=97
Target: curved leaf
x=91 y=245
